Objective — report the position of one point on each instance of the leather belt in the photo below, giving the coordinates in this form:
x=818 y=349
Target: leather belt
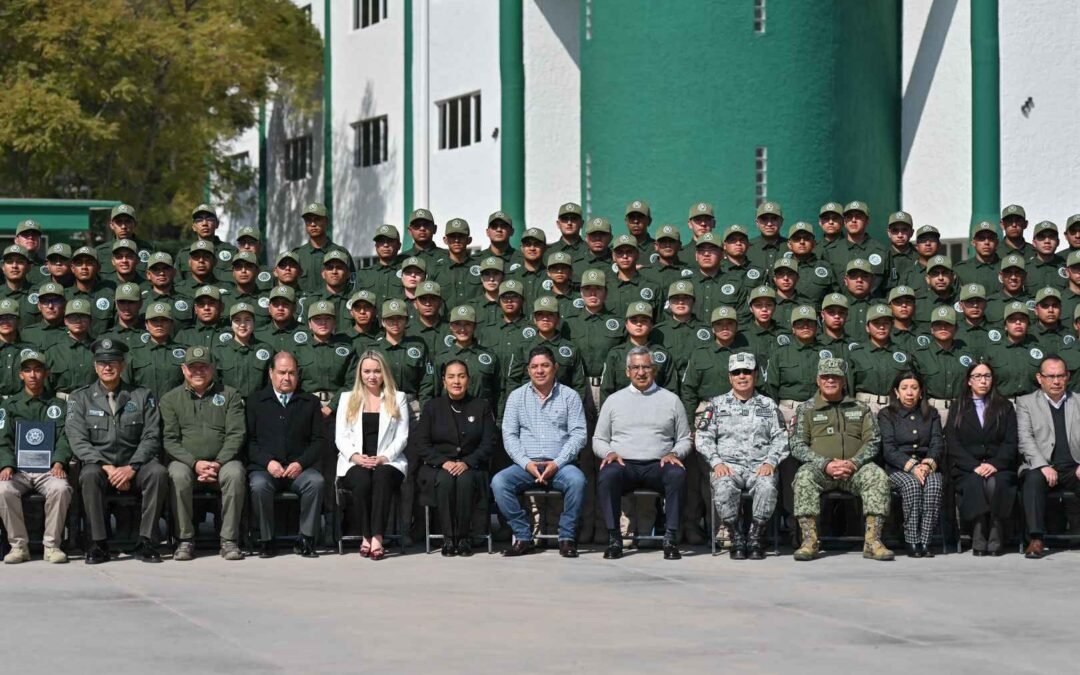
x=871 y=398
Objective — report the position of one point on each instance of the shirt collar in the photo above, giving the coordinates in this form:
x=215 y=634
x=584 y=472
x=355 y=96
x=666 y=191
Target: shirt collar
x=652 y=387
x=1059 y=403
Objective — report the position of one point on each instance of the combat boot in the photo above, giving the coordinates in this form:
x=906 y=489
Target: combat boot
x=872 y=546
x=810 y=544
x=738 y=541
x=756 y=538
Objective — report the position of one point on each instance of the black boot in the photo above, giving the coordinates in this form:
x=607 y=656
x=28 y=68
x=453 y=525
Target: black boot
x=978 y=536
x=738 y=540
x=614 y=545
x=756 y=539
x=448 y=548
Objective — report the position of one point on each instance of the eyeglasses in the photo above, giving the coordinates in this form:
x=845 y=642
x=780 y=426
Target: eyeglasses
x=638 y=369
x=742 y=371
x=1053 y=377
x=982 y=376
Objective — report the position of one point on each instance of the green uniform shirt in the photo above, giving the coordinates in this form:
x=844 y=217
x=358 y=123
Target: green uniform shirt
x=943 y=369
x=681 y=338
x=340 y=300
x=792 y=370
x=29 y=314
x=413 y=371
x=706 y=374
x=71 y=365
x=762 y=254
x=765 y=340
x=662 y=276
x=43 y=336
x=259 y=301
x=104 y=255
x=431 y=336
x=382 y=280
x=1051 y=339
x=871 y=250
x=530 y=281
x=614 y=377
x=433 y=256
x=44 y=408
x=825 y=431
x=202 y=428
x=872 y=369
x=223 y=255
x=901 y=264
x=488 y=312
x=97 y=436
x=571 y=370
x=620 y=293
x=816 y=280
x=284 y=339
x=9 y=367
x=460 y=282
x=1006 y=247
x=1015 y=365
x=311 y=257
x=132 y=337
x=713 y=291
x=578 y=251
x=102 y=311
x=593 y=262
x=978 y=338
x=156 y=366
x=324 y=366
x=505 y=340
x=181 y=306
x=204 y=335
x=594 y=335
x=242 y=367
x=974 y=271
x=1069 y=302
x=1050 y=272
x=484 y=372
x=995 y=304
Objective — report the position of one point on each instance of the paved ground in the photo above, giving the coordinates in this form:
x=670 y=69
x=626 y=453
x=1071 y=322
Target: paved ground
x=954 y=614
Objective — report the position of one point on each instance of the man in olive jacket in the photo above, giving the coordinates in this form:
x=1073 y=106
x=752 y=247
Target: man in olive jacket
x=203 y=431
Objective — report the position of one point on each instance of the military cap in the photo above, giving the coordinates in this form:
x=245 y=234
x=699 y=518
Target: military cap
x=1013 y=210
x=28 y=225
x=159 y=310
x=593 y=278
x=1012 y=260
x=492 y=263
x=456 y=226
x=198 y=354
x=721 y=313
x=1015 y=307
x=160 y=258
x=203 y=208
x=927 y=230
x=970 y=291
x=832 y=366
x=1073 y=220
x=9 y=307
x=394 y=307
x=360 y=296
x=534 y=233
x=801 y=226
x=901 y=292
x=733 y=229
x=639 y=206
x=860 y=264
x=939 y=261
x=1076 y=313
x=803 y=313
x=15 y=249
x=122 y=210
x=1047 y=292
x=831 y=207
x=559 y=258
x=943 y=314
x=500 y=215
x=463 y=313
x=741 y=361
x=1043 y=226
x=249 y=232
x=701 y=209
x=338 y=255
x=28 y=355
x=984 y=226
x=681 y=288
x=878 y=311
x=89 y=251
x=245 y=257
x=786 y=263
x=129 y=244
x=107 y=350
x=420 y=214
x=61 y=250
x=51 y=288
x=570 y=208
x=856 y=206
x=834 y=300
x=202 y=245
x=624 y=240
x=639 y=308
x=388 y=231
x=511 y=286
x=901 y=217
x=286 y=292
x=598 y=224
x=314 y=209
x=762 y=292
x=429 y=288
x=546 y=303
x=286 y=255
x=708 y=238
x=77 y=306
x=321 y=308
x=208 y=292
x=769 y=208
x=1073 y=259
x=241 y=307
x=669 y=232
x=414 y=262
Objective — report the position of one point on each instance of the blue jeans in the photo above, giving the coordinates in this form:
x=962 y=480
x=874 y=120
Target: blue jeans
x=514 y=480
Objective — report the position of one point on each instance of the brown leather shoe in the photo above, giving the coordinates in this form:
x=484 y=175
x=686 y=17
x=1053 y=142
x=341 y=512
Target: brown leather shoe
x=519 y=548
x=1034 y=549
x=568 y=548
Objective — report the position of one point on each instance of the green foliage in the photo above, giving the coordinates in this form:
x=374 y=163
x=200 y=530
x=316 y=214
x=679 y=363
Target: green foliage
x=136 y=99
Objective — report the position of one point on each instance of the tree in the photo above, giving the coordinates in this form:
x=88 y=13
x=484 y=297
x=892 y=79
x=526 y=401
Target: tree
x=135 y=99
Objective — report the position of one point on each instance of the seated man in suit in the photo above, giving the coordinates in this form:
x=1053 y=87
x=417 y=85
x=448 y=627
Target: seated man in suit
x=286 y=444
x=203 y=431
x=1048 y=427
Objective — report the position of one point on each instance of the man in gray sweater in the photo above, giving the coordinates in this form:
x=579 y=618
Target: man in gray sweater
x=641 y=437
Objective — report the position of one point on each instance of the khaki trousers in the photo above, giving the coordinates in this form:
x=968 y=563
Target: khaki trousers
x=57 y=493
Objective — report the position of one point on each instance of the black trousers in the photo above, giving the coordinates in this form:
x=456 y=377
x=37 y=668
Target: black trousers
x=308 y=485
x=616 y=480
x=1034 y=489
x=456 y=497
x=371 y=491
x=151 y=482
x=978 y=496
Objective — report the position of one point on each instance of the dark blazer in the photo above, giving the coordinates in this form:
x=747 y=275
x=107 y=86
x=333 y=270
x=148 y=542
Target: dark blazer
x=436 y=440
x=295 y=433
x=970 y=444
x=908 y=434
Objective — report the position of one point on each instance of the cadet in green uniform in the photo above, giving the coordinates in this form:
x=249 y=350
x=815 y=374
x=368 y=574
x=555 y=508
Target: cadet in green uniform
x=422 y=229
x=764 y=250
x=876 y=361
x=201 y=269
x=10 y=347
x=831 y=222
x=530 y=271
x=927 y=245
x=1013 y=223
x=203 y=433
x=598 y=245
x=974 y=328
x=208 y=327
x=70 y=364
x=114 y=429
x=981 y=268
x=286 y=273
x=639 y=325
x=155 y=365
x=413 y=273
x=763 y=333
x=902 y=255
x=384 y=277
x=906 y=331
x=1048 y=330
x=484 y=366
x=125 y=263
x=859 y=282
x=737 y=272
x=361 y=329
x=161 y=276
x=500 y=228
x=248 y=240
x=816 y=279
x=122 y=223
x=242 y=361
x=427 y=323
x=857 y=243
x=51 y=330
x=90 y=287
x=560 y=283
x=407 y=357
x=28 y=235
x=571 y=370
x=1070 y=296
x=16 y=286
x=1013 y=286
x=793 y=366
x=701 y=220
x=336 y=282
x=834 y=317
x=204 y=222
x=942 y=361
x=1014 y=356
x=595 y=331
x=488 y=311
x=506 y=336
x=785 y=282
x=245 y=287
x=702 y=380
x=679 y=332
x=284 y=333
x=628 y=284
x=711 y=285
x=326 y=359
x=569 y=222
x=312 y=255
x=667 y=267
x=129 y=327
x=58 y=265
x=458 y=275
x=1045 y=266
x=939 y=284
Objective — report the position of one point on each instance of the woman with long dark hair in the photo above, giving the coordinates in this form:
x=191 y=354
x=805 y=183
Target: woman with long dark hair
x=982 y=446
x=913 y=446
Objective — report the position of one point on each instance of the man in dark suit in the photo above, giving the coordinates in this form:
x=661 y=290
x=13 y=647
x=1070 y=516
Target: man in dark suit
x=286 y=442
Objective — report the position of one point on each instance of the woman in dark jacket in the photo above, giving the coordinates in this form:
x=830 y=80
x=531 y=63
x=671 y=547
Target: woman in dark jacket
x=982 y=446
x=455 y=438
x=912 y=446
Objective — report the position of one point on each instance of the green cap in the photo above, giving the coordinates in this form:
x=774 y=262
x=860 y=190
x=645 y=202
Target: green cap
x=1073 y=220
x=360 y=296
x=241 y=307
x=420 y=214
x=598 y=224
x=1012 y=260
x=831 y=207
x=394 y=307
x=546 y=303
x=834 y=300
x=77 y=306
x=52 y=288
x=9 y=307
x=28 y=355
x=1047 y=292
x=669 y=232
x=770 y=208
x=88 y=251
x=1073 y=259
x=160 y=258
x=984 y=226
x=803 y=313
x=939 y=261
x=286 y=255
x=901 y=217
x=927 y=230
x=801 y=226
x=338 y=255
x=901 y=292
x=122 y=210
x=1015 y=307
x=245 y=257
x=463 y=313
x=511 y=286
x=560 y=258
x=762 y=292
x=1013 y=210
x=681 y=288
x=832 y=366
x=570 y=208
x=624 y=240
x=60 y=250
x=128 y=293
x=944 y=314
x=321 y=308
x=970 y=291
x=856 y=206
x=1043 y=226
x=286 y=292
x=314 y=209
x=878 y=311
x=249 y=232
x=534 y=233
x=639 y=308
x=208 y=292
x=786 y=263
x=28 y=225
x=860 y=264
x=128 y=244
x=108 y=350
x=593 y=278
x=492 y=263
x=198 y=354
x=429 y=288
x=414 y=262
x=701 y=209
x=388 y=231
x=722 y=312
x=639 y=206
x=708 y=238
x=159 y=310
x=500 y=215
x=203 y=208
x=735 y=229
x=15 y=249
x=201 y=245
x=456 y=226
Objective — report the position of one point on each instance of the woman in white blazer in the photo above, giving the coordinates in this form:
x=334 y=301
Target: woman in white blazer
x=372 y=431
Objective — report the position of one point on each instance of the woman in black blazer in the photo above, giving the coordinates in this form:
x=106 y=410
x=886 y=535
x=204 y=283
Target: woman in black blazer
x=982 y=446
x=455 y=438
x=912 y=447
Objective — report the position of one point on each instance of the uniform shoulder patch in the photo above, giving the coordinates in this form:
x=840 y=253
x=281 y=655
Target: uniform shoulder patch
x=899 y=357
x=528 y=332
x=1036 y=353
x=413 y=352
x=342 y=351
x=821 y=272
x=612 y=324
x=825 y=354
x=579 y=303
x=300 y=337
x=646 y=294
x=474 y=270
x=547 y=284
x=514 y=267
x=659 y=357
x=966 y=360
x=703 y=334
x=265 y=276
x=225 y=256
x=264 y=302
x=263 y=354
x=32 y=298
x=753 y=274
x=179 y=353
x=144 y=338
x=102 y=304
x=448 y=340
x=993 y=335
x=181 y=305
x=566 y=352
x=485 y=359
x=225 y=337
x=728 y=289
x=874 y=259
x=923 y=340
x=687 y=273
x=218 y=400
x=783 y=340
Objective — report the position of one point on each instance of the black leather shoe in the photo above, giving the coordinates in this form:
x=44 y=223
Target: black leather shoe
x=267 y=549
x=613 y=550
x=307 y=548
x=146 y=552
x=977 y=553
x=925 y=550
x=568 y=548
x=464 y=547
x=738 y=553
x=756 y=553
x=913 y=551
x=96 y=555
x=448 y=550
x=519 y=548
x=671 y=550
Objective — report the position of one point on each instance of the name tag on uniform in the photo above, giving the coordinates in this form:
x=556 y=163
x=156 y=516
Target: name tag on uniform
x=34 y=443
x=818 y=417
x=853 y=414
x=95 y=413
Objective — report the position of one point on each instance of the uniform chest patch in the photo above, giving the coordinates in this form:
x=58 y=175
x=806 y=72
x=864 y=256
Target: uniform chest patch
x=783 y=340
x=1036 y=353
x=264 y=302
x=448 y=340
x=566 y=352
x=821 y=272
x=218 y=400
x=102 y=304
x=687 y=273
x=263 y=354
x=579 y=303
x=265 y=277
x=994 y=335
x=965 y=360
x=659 y=357
x=528 y=332
x=899 y=357
x=753 y=274
x=547 y=284
x=53 y=412
x=131 y=406
x=853 y=414
x=728 y=289
x=342 y=351
x=824 y=354
x=485 y=359
x=923 y=340
x=299 y=337
x=181 y=305
x=179 y=353
x=225 y=337
x=225 y=256
x=32 y=298
x=874 y=259
x=612 y=324
x=646 y=294
x=819 y=417
x=703 y=334
x=413 y=352
x=474 y=270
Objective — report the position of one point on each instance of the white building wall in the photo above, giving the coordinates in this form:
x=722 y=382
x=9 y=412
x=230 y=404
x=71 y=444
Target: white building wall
x=552 y=111
x=242 y=208
x=1040 y=152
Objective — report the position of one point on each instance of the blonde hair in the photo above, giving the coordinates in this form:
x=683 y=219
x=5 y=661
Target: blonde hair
x=360 y=393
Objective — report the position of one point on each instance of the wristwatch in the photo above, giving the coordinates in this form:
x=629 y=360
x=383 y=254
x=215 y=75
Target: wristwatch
x=135 y=466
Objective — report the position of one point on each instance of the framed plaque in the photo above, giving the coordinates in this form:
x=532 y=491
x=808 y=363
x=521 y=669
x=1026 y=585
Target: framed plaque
x=34 y=444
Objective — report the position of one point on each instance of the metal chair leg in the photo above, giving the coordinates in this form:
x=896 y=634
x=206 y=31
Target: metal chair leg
x=427 y=529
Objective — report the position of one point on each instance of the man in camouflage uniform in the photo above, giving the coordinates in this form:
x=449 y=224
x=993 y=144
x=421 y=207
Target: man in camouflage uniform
x=741 y=435
x=837 y=438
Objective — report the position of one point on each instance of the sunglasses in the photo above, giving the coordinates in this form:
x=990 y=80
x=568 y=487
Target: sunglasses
x=742 y=371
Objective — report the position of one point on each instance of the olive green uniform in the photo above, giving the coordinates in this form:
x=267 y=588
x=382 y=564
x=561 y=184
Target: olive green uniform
x=620 y=293
x=44 y=336
x=681 y=338
x=1047 y=272
x=29 y=314
x=460 y=282
x=412 y=368
x=204 y=334
x=324 y=367
x=156 y=366
x=792 y=370
x=594 y=335
x=382 y=280
x=258 y=301
x=943 y=369
x=1015 y=365
x=286 y=338
x=181 y=306
x=571 y=369
x=104 y=255
x=872 y=369
x=484 y=372
x=311 y=257
x=762 y=254
x=71 y=365
x=871 y=250
x=223 y=255
x=243 y=367
x=102 y=310
x=706 y=373
x=974 y=271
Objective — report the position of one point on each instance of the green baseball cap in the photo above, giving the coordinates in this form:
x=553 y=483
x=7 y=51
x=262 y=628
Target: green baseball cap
x=901 y=217
x=832 y=366
x=1012 y=261
x=241 y=307
x=198 y=354
x=314 y=209
x=394 y=307
x=1013 y=210
x=1073 y=259
x=624 y=240
x=681 y=288
x=560 y=258
x=878 y=311
x=414 y=262
x=321 y=308
x=598 y=224
x=59 y=250
x=786 y=263
x=492 y=263
x=129 y=244
x=249 y=232
x=421 y=214
x=762 y=292
x=51 y=288
x=208 y=292
x=456 y=226
x=88 y=251
x=834 y=300
x=1047 y=292
x=15 y=249
x=285 y=292
x=122 y=210
x=245 y=257
x=534 y=233
x=570 y=208
x=593 y=278
x=1073 y=220
x=901 y=292
x=108 y=350
x=361 y=296
x=159 y=310
x=639 y=308
x=28 y=225
x=669 y=232
x=803 y=313
x=203 y=208
x=943 y=314
x=546 y=303
x=1043 y=226
x=701 y=209
x=770 y=208
x=338 y=255
x=859 y=264
x=28 y=355
x=708 y=238
x=511 y=286
x=639 y=206
x=9 y=307
x=286 y=255
x=831 y=207
x=972 y=291
x=429 y=288
x=77 y=306
x=128 y=293
x=984 y=226
x=801 y=226
x=500 y=216
x=927 y=230
x=201 y=245
x=463 y=313
x=160 y=258
x=734 y=229
x=723 y=312
x=1015 y=307
x=939 y=261
x=856 y=206
x=388 y=231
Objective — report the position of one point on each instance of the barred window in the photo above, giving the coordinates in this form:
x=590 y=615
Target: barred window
x=459 y=121
x=761 y=179
x=369 y=141
x=759 y=17
x=368 y=13
x=298 y=158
